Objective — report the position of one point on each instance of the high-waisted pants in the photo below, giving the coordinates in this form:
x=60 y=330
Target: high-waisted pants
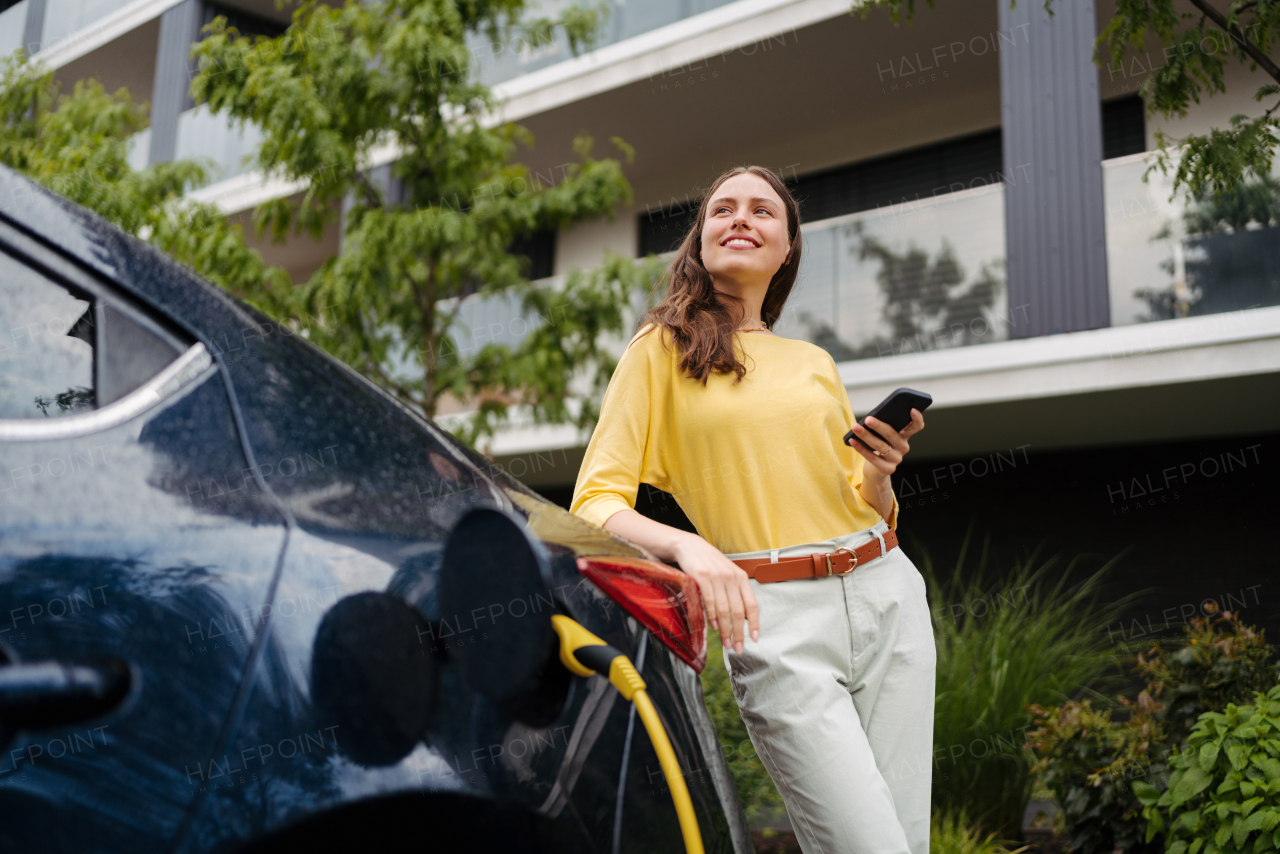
x=837 y=697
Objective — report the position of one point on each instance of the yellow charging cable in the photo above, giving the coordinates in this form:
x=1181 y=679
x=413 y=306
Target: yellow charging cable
x=585 y=654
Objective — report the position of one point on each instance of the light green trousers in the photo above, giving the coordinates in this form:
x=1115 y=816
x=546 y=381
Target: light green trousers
x=837 y=696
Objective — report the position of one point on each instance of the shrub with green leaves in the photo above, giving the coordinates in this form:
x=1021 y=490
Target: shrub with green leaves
x=1089 y=762
x=1095 y=759
x=1224 y=789
x=956 y=833
x=1220 y=661
x=1035 y=634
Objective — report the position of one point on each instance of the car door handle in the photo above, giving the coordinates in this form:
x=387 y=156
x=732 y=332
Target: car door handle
x=43 y=694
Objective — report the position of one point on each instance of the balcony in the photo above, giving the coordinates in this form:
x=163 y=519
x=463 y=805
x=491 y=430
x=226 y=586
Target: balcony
x=928 y=274
x=920 y=275
x=886 y=291
x=13 y=22
x=1168 y=260
x=62 y=18
x=215 y=139
x=212 y=139
x=508 y=60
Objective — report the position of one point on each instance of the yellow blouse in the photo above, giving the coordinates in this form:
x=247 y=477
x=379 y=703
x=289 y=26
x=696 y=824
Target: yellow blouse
x=759 y=465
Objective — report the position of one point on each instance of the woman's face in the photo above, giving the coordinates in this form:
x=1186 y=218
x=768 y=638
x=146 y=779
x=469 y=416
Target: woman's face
x=744 y=237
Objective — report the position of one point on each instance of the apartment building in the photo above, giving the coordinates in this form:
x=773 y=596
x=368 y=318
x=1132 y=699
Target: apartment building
x=976 y=226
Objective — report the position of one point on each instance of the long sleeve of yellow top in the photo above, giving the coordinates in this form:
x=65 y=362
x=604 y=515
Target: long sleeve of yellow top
x=757 y=465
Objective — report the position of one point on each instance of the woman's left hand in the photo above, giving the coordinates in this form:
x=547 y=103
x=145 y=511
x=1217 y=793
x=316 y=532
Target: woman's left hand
x=892 y=448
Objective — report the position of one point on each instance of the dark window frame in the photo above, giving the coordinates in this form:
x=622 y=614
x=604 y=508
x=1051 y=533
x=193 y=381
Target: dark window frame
x=103 y=296
x=904 y=175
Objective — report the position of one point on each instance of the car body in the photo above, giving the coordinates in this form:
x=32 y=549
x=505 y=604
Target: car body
x=171 y=553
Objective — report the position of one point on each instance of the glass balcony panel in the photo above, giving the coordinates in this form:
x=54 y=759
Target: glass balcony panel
x=625 y=20
x=62 y=18
x=900 y=279
x=491 y=319
x=922 y=275
x=13 y=21
x=202 y=134
x=1170 y=259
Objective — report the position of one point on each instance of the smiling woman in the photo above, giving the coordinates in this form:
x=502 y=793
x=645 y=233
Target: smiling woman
x=748 y=231
x=745 y=428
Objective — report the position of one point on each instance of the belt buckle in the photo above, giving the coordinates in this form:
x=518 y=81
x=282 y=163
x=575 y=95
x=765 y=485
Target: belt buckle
x=852 y=567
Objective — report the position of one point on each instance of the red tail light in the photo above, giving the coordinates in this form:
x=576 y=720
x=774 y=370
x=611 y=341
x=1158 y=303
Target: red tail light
x=665 y=600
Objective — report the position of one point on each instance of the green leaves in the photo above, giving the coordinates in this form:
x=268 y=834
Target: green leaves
x=1194 y=760
x=1191 y=783
x=431 y=233
x=1224 y=792
x=77 y=145
x=1145 y=792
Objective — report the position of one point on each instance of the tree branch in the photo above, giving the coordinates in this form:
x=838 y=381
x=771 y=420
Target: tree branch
x=398 y=388
x=424 y=297
x=1264 y=62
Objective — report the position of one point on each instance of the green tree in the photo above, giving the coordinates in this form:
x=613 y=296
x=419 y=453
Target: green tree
x=77 y=145
x=342 y=84
x=1197 y=47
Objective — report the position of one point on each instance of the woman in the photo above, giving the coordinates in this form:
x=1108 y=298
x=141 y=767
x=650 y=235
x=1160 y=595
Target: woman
x=745 y=428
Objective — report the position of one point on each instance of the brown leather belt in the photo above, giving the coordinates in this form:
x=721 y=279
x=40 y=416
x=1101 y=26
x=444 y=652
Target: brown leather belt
x=818 y=564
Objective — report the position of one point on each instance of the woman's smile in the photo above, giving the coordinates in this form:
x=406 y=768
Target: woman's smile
x=744 y=235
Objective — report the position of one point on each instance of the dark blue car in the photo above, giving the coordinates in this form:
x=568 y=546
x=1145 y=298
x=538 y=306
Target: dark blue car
x=223 y=560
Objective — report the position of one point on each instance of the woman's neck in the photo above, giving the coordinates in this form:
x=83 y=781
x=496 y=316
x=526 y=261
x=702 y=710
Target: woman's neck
x=750 y=293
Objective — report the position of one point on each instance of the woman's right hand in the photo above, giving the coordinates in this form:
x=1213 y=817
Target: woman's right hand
x=726 y=589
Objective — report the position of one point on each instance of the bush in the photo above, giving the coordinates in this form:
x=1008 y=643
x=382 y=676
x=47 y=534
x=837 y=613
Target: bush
x=1096 y=760
x=1220 y=662
x=1032 y=637
x=954 y=833
x=1224 y=789
x=1089 y=761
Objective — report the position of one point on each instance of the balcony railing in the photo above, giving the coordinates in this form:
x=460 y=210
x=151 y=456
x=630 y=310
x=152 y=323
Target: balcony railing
x=928 y=274
x=65 y=17
x=925 y=274
x=212 y=139
x=498 y=319
x=212 y=136
x=13 y=22
x=1173 y=259
x=511 y=59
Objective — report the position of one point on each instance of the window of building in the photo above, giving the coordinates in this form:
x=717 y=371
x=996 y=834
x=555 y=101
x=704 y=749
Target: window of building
x=540 y=248
x=965 y=162
x=1124 y=127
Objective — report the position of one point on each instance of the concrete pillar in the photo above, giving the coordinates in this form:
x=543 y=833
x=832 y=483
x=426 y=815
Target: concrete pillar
x=179 y=30
x=1055 y=214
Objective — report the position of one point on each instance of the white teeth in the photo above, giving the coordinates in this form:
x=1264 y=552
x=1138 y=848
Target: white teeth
x=737 y=241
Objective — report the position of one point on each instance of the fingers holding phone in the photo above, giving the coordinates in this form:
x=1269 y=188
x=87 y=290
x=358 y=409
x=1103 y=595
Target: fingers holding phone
x=881 y=435
x=886 y=454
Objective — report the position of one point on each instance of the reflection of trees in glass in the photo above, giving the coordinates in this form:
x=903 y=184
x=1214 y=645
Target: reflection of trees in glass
x=927 y=306
x=1232 y=254
x=71 y=400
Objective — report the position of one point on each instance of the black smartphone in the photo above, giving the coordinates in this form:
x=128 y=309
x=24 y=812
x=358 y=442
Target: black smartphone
x=894 y=410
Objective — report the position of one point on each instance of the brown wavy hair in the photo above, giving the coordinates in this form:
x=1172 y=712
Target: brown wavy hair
x=701 y=320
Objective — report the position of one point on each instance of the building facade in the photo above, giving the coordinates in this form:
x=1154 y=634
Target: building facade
x=976 y=225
